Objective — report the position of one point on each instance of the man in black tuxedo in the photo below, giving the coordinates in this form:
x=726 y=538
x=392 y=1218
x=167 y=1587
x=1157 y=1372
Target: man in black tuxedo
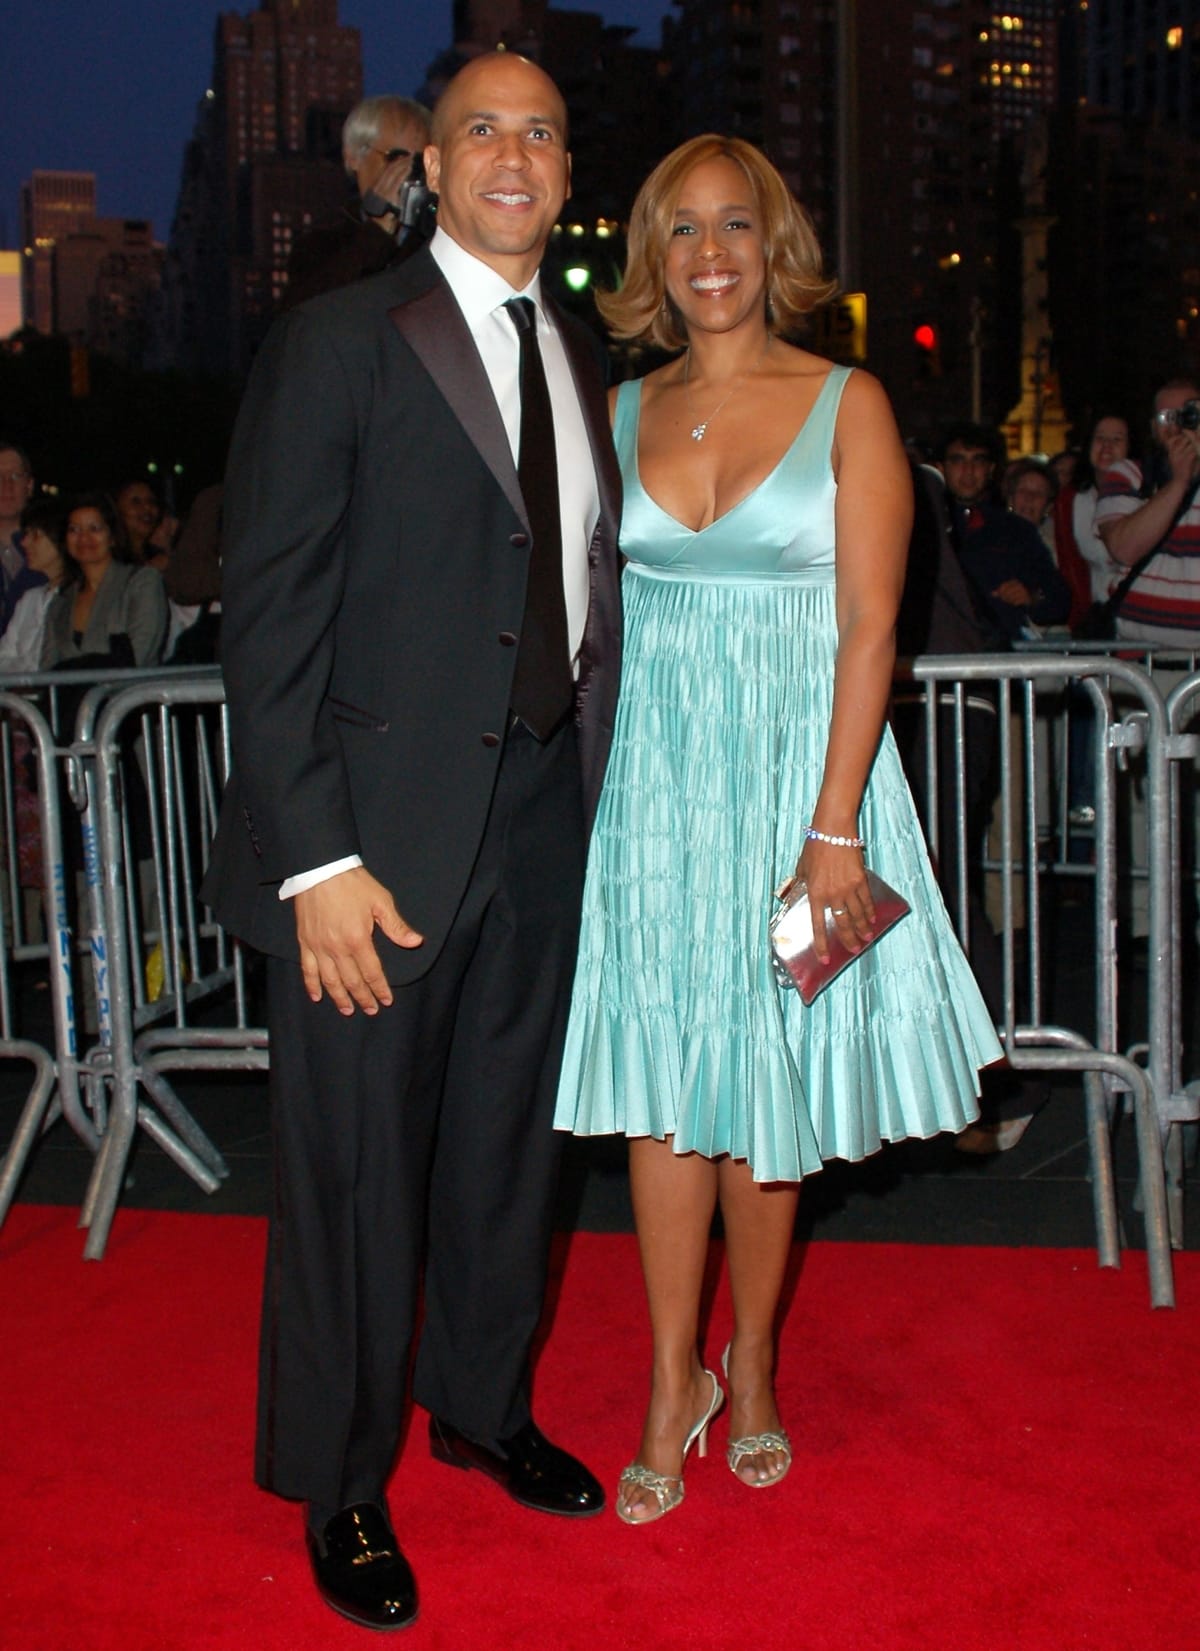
x=421 y=709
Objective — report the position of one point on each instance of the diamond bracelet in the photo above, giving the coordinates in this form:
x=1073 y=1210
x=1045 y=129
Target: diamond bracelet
x=838 y=842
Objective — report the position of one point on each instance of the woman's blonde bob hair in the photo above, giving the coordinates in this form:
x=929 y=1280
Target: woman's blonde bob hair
x=642 y=309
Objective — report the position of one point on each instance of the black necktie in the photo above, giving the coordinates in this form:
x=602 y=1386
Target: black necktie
x=542 y=690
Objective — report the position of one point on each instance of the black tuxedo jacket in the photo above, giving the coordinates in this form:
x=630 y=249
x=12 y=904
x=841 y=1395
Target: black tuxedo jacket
x=376 y=555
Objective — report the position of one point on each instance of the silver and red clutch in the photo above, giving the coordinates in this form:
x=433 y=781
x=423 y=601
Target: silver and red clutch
x=791 y=931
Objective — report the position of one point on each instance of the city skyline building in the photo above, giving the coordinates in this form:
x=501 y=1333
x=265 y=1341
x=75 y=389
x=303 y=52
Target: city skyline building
x=90 y=279
x=12 y=307
x=1124 y=255
x=899 y=128
x=107 y=276
x=1139 y=58
x=904 y=130
x=53 y=204
x=1019 y=61
x=262 y=167
x=1123 y=260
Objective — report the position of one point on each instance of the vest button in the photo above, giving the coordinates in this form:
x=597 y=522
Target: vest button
x=507 y=639
x=491 y=740
x=519 y=540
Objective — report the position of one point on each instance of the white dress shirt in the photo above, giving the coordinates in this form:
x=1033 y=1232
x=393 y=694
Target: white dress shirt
x=481 y=295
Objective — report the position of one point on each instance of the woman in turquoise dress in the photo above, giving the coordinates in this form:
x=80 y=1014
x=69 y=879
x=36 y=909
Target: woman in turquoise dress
x=766 y=522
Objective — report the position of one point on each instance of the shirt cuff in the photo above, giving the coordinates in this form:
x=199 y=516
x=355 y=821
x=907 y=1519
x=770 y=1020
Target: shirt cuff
x=319 y=874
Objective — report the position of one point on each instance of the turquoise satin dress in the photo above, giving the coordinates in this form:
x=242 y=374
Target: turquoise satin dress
x=678 y=1026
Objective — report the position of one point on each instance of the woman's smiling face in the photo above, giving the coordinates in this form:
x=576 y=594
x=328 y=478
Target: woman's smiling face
x=88 y=537
x=716 y=268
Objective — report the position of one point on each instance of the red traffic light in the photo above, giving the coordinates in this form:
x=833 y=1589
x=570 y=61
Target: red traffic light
x=925 y=336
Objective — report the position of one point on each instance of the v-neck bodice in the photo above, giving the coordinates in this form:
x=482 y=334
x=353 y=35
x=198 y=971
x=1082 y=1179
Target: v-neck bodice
x=784 y=528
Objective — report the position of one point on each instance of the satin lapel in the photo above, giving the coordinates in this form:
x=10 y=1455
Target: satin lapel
x=432 y=326
x=594 y=403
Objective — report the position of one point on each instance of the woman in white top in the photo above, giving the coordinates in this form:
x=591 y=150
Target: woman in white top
x=1075 y=508
x=45 y=553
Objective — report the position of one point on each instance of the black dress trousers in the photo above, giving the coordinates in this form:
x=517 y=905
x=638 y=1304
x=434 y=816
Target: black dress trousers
x=423 y=1135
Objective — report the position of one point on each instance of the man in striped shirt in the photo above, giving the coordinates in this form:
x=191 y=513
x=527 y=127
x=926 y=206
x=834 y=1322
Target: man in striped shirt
x=1163 y=603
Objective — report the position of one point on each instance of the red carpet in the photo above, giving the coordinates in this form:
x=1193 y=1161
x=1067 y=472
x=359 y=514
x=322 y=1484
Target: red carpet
x=994 y=1449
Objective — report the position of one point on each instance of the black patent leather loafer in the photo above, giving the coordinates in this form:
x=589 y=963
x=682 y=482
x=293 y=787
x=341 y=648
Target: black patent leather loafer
x=534 y=1472
x=359 y=1569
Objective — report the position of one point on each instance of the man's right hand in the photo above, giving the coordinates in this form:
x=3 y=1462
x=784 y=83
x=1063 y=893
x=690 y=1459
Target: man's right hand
x=387 y=187
x=335 y=925
x=1183 y=453
x=1014 y=593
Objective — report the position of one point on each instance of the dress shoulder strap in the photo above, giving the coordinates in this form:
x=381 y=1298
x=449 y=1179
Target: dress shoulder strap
x=629 y=398
x=830 y=399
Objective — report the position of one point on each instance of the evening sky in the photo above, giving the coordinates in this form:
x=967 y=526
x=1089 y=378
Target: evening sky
x=112 y=86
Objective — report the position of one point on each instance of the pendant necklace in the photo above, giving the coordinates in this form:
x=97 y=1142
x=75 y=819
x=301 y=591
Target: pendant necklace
x=698 y=431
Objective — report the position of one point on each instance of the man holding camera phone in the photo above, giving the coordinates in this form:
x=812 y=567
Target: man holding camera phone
x=1161 y=526
x=1151 y=527
x=382 y=142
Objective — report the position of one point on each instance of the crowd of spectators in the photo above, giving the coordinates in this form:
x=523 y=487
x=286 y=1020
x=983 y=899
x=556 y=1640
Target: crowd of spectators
x=104 y=580
x=1042 y=543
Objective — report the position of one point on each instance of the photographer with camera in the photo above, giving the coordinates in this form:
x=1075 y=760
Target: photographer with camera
x=1152 y=527
x=1151 y=523
x=382 y=144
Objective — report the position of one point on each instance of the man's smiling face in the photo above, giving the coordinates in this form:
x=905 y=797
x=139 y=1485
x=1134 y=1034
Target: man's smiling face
x=499 y=163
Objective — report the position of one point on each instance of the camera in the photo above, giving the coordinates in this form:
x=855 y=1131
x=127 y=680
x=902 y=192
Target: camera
x=414 y=210
x=1186 y=417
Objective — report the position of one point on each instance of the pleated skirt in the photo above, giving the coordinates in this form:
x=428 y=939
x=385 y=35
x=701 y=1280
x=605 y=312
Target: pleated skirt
x=678 y=1026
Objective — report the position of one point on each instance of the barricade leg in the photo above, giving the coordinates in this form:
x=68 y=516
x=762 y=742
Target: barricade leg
x=1154 y=1202
x=35 y=1117
x=1104 y=1190
x=149 y=1120
x=187 y=1132
x=108 y=1172
x=1173 y=1184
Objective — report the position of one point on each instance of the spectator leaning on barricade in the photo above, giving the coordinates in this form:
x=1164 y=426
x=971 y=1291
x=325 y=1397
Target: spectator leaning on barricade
x=113 y=614
x=1030 y=488
x=1019 y=589
x=1150 y=519
x=16 y=490
x=1003 y=555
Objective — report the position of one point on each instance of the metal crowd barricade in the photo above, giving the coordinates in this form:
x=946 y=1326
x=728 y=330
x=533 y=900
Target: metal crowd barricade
x=68 y=1083
x=1032 y=1041
x=167 y=732
x=45 y=1101
x=181 y=762
x=1173 y=670
x=1165 y=664
x=1182 y=1104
